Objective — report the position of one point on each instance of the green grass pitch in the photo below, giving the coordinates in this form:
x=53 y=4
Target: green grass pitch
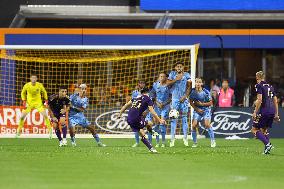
x=41 y=164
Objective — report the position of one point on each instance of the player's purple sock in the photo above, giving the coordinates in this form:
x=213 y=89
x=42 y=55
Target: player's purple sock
x=267 y=136
x=261 y=137
x=64 y=131
x=146 y=142
x=58 y=134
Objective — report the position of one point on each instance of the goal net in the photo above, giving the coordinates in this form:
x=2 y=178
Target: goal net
x=110 y=72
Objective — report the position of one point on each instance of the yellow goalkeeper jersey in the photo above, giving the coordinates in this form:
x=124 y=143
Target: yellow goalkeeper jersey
x=32 y=93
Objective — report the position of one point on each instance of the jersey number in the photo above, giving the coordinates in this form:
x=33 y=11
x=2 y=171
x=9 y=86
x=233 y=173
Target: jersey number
x=136 y=104
x=270 y=94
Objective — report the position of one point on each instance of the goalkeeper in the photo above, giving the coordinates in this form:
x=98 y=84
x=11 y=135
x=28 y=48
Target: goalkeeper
x=31 y=95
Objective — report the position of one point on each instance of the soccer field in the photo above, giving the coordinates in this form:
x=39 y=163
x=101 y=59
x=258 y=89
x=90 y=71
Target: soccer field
x=40 y=163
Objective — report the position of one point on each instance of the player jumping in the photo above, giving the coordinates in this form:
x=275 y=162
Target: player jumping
x=200 y=100
x=31 y=95
x=58 y=105
x=180 y=89
x=266 y=110
x=79 y=104
x=135 y=116
x=161 y=93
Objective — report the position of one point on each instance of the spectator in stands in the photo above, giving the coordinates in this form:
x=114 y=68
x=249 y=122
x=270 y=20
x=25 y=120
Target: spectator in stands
x=226 y=96
x=214 y=91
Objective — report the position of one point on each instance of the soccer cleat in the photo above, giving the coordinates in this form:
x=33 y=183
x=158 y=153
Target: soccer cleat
x=17 y=135
x=194 y=145
x=185 y=142
x=100 y=144
x=135 y=145
x=268 y=148
x=50 y=133
x=73 y=144
x=157 y=146
x=163 y=146
x=64 y=142
x=172 y=143
x=61 y=143
x=213 y=144
x=153 y=150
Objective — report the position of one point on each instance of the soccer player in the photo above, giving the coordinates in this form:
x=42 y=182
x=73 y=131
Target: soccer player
x=200 y=100
x=135 y=116
x=79 y=104
x=161 y=93
x=31 y=95
x=58 y=106
x=180 y=88
x=141 y=84
x=266 y=110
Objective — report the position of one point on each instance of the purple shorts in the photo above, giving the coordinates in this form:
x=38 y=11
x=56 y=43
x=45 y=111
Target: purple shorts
x=137 y=125
x=263 y=121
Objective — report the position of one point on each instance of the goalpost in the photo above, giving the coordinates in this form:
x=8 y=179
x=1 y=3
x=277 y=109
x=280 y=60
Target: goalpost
x=110 y=72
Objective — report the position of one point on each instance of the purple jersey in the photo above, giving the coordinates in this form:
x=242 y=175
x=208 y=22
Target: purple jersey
x=267 y=92
x=139 y=105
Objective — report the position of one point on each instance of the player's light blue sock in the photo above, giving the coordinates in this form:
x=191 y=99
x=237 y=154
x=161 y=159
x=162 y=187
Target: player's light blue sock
x=194 y=136
x=150 y=137
x=211 y=133
x=184 y=127
x=173 y=128
x=163 y=133
x=136 y=134
x=96 y=137
x=72 y=138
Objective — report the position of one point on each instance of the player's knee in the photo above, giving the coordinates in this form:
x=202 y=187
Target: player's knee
x=254 y=130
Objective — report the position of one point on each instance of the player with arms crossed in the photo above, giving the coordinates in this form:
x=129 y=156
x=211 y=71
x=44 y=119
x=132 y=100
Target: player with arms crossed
x=162 y=96
x=31 y=95
x=58 y=106
x=79 y=104
x=135 y=116
x=180 y=88
x=266 y=110
x=200 y=100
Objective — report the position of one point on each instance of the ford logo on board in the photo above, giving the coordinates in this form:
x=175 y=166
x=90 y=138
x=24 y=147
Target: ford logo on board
x=109 y=122
x=231 y=122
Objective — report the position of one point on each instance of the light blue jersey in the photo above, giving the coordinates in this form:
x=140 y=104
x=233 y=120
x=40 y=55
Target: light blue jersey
x=162 y=95
x=178 y=89
x=202 y=96
x=77 y=117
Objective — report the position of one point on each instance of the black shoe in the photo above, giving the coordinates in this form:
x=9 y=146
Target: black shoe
x=268 y=148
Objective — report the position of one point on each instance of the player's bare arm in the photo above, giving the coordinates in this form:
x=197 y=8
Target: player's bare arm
x=187 y=92
x=152 y=111
x=127 y=105
x=192 y=104
x=276 y=117
x=198 y=103
x=171 y=82
x=257 y=105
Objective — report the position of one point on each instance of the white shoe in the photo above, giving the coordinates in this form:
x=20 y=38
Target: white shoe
x=157 y=146
x=172 y=143
x=100 y=144
x=73 y=144
x=153 y=150
x=61 y=143
x=64 y=142
x=135 y=145
x=163 y=146
x=213 y=144
x=185 y=142
x=194 y=145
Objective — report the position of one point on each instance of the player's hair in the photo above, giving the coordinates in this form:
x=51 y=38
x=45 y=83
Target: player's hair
x=164 y=72
x=260 y=74
x=177 y=63
x=145 y=90
x=62 y=87
x=33 y=74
